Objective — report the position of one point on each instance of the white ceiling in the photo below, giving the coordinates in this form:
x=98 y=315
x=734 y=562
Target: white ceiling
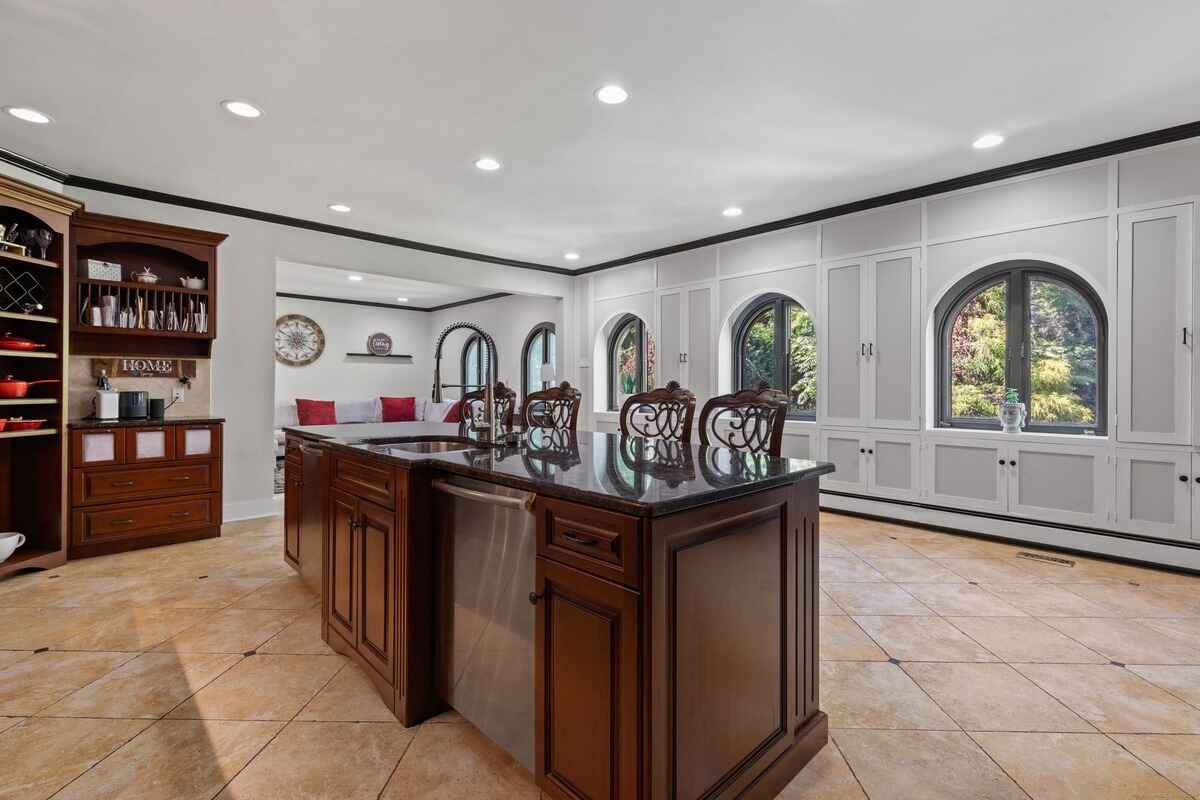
x=314 y=281
x=779 y=106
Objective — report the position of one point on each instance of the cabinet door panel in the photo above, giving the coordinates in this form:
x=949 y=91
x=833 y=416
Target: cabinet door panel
x=198 y=441
x=97 y=448
x=377 y=588
x=1154 y=352
x=292 y=484
x=343 y=568
x=968 y=474
x=844 y=345
x=586 y=686
x=895 y=466
x=148 y=445
x=846 y=450
x=1154 y=493
x=700 y=364
x=668 y=340
x=892 y=349
x=1060 y=483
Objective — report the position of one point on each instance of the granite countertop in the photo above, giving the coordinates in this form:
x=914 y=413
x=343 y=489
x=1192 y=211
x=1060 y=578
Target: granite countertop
x=148 y=422
x=637 y=476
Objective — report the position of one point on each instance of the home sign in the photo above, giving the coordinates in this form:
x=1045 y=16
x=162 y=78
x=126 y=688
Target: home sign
x=137 y=367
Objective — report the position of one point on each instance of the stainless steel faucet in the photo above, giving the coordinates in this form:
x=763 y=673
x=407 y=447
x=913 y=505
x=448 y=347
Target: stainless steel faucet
x=489 y=400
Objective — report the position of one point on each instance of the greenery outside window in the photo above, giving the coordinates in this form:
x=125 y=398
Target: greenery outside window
x=627 y=372
x=1030 y=326
x=474 y=363
x=775 y=341
x=539 y=350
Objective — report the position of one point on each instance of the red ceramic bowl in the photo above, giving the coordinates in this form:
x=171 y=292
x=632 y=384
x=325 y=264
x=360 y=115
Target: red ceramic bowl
x=25 y=424
x=3 y=423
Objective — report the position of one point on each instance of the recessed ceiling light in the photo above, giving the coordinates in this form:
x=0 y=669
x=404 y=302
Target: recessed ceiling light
x=987 y=140
x=732 y=211
x=354 y=277
x=572 y=256
x=29 y=115
x=401 y=299
x=488 y=164
x=612 y=94
x=241 y=108
x=340 y=208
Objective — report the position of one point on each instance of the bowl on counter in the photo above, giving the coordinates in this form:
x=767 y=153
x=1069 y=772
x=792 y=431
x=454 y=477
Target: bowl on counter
x=18 y=424
x=9 y=542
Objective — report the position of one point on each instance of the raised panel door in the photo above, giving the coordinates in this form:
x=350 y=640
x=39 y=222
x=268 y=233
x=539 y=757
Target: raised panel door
x=342 y=580
x=845 y=348
x=377 y=588
x=1154 y=493
x=847 y=451
x=968 y=474
x=668 y=338
x=1060 y=483
x=701 y=367
x=894 y=465
x=587 y=701
x=1154 y=326
x=893 y=340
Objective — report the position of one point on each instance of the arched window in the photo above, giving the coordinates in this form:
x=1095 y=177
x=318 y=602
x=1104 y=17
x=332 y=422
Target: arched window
x=1029 y=326
x=474 y=363
x=538 y=351
x=627 y=360
x=774 y=340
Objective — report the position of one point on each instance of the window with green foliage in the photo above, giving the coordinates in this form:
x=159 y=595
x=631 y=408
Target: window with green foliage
x=626 y=360
x=1029 y=326
x=775 y=342
x=538 y=351
x=474 y=363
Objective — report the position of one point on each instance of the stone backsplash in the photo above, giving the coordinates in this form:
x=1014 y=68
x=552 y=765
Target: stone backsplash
x=195 y=402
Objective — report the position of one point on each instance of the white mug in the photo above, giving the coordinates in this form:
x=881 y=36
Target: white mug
x=9 y=542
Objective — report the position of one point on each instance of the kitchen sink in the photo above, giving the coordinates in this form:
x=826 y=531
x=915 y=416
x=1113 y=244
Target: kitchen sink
x=435 y=446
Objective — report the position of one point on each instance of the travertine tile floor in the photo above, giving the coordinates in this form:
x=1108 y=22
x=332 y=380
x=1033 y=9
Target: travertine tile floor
x=951 y=669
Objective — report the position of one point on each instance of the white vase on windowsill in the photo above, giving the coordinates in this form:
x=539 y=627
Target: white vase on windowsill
x=1012 y=417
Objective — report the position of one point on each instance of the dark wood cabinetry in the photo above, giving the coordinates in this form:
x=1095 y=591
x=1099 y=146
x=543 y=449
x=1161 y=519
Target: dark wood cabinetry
x=302 y=509
x=143 y=485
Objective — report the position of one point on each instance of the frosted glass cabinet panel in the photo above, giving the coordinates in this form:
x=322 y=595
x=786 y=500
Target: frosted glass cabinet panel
x=970 y=474
x=1154 y=493
x=94 y=448
x=1060 y=483
x=893 y=342
x=1154 y=326
x=844 y=350
x=895 y=465
x=197 y=441
x=847 y=451
x=149 y=444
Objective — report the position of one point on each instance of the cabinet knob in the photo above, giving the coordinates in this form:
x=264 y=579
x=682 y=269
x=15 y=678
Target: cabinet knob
x=862 y=449
x=1012 y=463
x=870 y=452
x=534 y=597
x=1183 y=478
x=1001 y=462
x=1198 y=479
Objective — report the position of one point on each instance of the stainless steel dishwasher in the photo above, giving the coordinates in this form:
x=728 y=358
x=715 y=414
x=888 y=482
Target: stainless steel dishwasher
x=485 y=625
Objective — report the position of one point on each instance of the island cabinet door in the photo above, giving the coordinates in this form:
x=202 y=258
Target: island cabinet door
x=292 y=498
x=723 y=645
x=377 y=588
x=587 y=703
x=342 y=611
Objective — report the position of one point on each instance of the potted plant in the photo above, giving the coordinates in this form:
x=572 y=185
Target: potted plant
x=1011 y=412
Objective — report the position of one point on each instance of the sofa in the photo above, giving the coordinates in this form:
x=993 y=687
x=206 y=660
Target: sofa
x=351 y=411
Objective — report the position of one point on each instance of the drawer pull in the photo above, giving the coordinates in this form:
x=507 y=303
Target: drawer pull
x=179 y=514
x=181 y=477
x=121 y=522
x=120 y=483
x=576 y=538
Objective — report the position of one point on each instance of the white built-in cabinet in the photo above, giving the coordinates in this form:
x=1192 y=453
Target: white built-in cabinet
x=684 y=338
x=1154 y=326
x=870 y=348
x=880 y=463
x=1157 y=492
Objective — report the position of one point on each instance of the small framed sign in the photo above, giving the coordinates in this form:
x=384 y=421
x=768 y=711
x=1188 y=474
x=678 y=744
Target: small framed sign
x=379 y=344
x=137 y=367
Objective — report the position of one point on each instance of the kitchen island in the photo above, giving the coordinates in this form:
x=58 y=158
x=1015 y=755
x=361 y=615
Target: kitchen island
x=629 y=618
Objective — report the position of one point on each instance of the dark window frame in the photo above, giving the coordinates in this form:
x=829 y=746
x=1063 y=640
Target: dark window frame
x=779 y=303
x=543 y=328
x=471 y=382
x=1017 y=276
x=613 y=339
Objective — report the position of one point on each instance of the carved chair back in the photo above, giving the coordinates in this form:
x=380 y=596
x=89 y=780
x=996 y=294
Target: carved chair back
x=504 y=401
x=664 y=413
x=750 y=420
x=556 y=407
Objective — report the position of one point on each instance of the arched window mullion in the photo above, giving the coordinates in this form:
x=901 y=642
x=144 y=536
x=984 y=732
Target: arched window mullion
x=781 y=308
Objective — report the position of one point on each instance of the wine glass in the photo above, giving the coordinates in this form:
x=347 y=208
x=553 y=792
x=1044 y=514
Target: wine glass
x=42 y=238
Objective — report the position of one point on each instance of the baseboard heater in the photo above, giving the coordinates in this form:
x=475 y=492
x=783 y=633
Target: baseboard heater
x=1113 y=545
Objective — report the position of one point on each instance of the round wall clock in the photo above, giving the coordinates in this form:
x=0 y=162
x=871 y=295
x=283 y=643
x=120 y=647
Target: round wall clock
x=298 y=340
x=379 y=344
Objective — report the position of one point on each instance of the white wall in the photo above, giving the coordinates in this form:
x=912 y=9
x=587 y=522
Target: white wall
x=509 y=321
x=335 y=376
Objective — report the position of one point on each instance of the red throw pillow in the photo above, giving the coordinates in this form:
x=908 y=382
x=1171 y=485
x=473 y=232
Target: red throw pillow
x=454 y=414
x=316 y=412
x=399 y=409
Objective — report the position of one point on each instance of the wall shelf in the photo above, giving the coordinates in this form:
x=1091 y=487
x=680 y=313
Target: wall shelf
x=26 y=260
x=28 y=317
x=372 y=357
x=30 y=401
x=27 y=354
x=28 y=434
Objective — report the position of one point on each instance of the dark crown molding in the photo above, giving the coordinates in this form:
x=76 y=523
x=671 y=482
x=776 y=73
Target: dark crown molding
x=393 y=306
x=1092 y=152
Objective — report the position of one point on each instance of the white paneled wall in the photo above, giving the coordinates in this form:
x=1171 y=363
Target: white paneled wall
x=1126 y=225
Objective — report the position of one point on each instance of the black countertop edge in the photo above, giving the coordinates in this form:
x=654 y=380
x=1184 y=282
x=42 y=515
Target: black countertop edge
x=596 y=499
x=148 y=422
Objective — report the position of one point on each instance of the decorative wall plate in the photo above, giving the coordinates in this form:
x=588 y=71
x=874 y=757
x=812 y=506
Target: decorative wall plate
x=379 y=344
x=299 y=341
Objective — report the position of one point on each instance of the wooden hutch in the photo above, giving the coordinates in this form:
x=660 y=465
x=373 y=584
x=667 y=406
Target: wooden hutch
x=34 y=305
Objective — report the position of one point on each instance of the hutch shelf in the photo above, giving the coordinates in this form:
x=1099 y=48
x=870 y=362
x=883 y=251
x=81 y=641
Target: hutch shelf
x=34 y=305
x=124 y=316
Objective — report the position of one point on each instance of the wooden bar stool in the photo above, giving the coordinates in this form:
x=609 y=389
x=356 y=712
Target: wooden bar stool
x=556 y=407
x=750 y=421
x=664 y=413
x=503 y=398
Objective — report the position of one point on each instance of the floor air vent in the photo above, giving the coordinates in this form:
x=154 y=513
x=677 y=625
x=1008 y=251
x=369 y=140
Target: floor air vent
x=1062 y=562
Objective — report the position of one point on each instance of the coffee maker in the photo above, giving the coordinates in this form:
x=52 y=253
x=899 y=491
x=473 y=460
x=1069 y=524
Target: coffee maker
x=134 y=405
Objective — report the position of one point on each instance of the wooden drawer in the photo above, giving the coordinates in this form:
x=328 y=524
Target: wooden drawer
x=89 y=487
x=599 y=542
x=97 y=447
x=365 y=480
x=144 y=518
